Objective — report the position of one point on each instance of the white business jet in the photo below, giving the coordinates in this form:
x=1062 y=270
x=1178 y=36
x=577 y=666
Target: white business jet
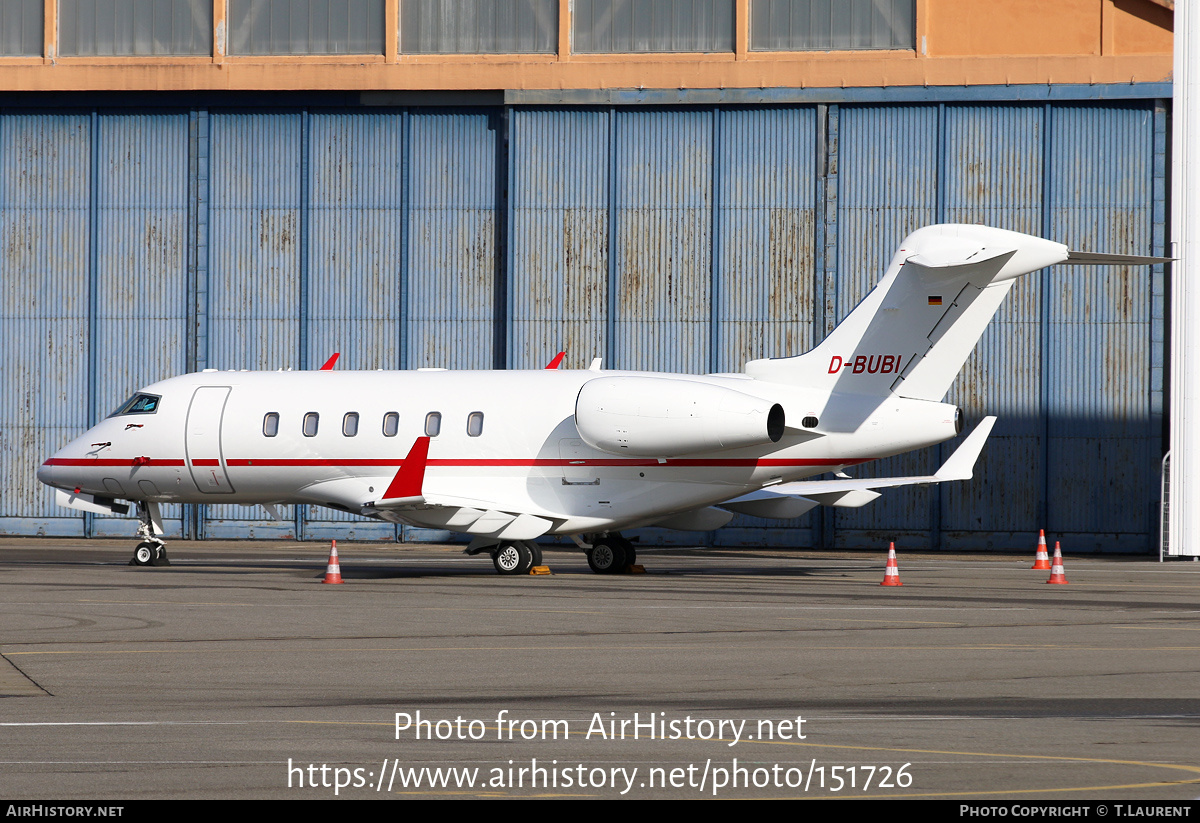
x=509 y=456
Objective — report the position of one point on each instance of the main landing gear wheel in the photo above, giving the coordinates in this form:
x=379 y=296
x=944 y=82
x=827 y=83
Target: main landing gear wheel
x=607 y=557
x=513 y=558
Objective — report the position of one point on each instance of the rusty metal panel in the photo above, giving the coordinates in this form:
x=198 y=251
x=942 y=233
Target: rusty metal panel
x=764 y=251
x=254 y=245
x=888 y=185
x=766 y=208
x=558 y=274
x=45 y=168
x=664 y=186
x=1103 y=449
x=993 y=174
x=254 y=263
x=356 y=223
x=141 y=263
x=451 y=249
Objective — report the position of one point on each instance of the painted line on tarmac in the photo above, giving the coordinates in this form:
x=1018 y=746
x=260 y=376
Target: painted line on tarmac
x=1011 y=647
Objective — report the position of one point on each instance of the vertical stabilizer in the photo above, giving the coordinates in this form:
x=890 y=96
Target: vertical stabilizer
x=913 y=332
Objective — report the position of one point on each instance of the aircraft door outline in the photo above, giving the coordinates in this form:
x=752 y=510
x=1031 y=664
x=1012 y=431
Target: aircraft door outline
x=202 y=440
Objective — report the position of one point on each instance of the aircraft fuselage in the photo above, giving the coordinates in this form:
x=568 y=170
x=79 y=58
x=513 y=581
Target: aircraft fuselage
x=499 y=440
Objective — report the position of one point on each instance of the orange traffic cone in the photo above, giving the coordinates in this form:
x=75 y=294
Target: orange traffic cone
x=1057 y=575
x=1042 y=560
x=333 y=572
x=891 y=575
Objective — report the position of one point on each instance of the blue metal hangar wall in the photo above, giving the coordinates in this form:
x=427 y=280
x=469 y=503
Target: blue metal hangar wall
x=146 y=235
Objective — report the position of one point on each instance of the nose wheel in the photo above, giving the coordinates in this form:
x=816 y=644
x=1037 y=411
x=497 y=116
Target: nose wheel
x=152 y=551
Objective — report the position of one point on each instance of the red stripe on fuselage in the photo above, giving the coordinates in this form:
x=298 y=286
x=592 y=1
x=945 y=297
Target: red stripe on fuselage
x=480 y=462
x=112 y=461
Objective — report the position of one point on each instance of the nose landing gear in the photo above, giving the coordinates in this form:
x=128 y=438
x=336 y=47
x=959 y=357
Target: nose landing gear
x=152 y=550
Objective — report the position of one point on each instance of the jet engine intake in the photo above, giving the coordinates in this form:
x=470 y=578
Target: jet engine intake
x=657 y=417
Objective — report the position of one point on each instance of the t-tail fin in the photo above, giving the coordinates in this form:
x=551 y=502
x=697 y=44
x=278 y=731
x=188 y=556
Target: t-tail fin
x=913 y=332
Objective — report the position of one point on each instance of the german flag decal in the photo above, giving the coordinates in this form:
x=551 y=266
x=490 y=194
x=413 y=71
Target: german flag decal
x=935 y=300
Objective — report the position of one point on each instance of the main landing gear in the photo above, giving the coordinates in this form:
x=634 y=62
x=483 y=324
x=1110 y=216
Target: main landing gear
x=512 y=556
x=152 y=550
x=611 y=554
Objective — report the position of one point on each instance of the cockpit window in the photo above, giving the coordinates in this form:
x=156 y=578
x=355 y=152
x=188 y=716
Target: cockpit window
x=138 y=404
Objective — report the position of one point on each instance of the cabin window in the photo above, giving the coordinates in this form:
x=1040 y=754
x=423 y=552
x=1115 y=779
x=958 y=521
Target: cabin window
x=474 y=424
x=391 y=424
x=271 y=424
x=433 y=424
x=350 y=424
x=310 y=424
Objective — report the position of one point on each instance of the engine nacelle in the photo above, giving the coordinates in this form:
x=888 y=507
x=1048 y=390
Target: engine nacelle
x=659 y=417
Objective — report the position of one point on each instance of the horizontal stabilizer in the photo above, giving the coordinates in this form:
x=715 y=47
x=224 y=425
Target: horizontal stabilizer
x=1088 y=258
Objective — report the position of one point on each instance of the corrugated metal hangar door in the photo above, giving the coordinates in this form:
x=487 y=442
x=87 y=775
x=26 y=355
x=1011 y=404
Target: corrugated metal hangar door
x=143 y=244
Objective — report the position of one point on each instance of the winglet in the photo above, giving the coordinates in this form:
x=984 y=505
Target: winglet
x=557 y=361
x=411 y=476
x=961 y=464
x=329 y=363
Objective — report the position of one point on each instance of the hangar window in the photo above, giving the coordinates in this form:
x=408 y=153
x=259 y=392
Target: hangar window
x=305 y=26
x=350 y=424
x=433 y=424
x=271 y=424
x=138 y=404
x=21 y=27
x=391 y=424
x=310 y=424
x=479 y=26
x=475 y=424
x=134 y=27
x=832 y=25
x=635 y=26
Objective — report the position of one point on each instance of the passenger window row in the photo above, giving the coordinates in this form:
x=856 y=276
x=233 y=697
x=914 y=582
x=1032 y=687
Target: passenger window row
x=391 y=424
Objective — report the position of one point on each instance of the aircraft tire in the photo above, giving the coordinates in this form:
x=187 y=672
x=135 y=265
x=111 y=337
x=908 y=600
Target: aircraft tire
x=144 y=554
x=512 y=558
x=630 y=553
x=607 y=557
x=536 y=551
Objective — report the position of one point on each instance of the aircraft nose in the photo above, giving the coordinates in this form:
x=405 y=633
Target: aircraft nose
x=50 y=472
x=56 y=469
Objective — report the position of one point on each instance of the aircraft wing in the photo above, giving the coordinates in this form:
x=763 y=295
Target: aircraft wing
x=407 y=500
x=793 y=499
x=428 y=509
